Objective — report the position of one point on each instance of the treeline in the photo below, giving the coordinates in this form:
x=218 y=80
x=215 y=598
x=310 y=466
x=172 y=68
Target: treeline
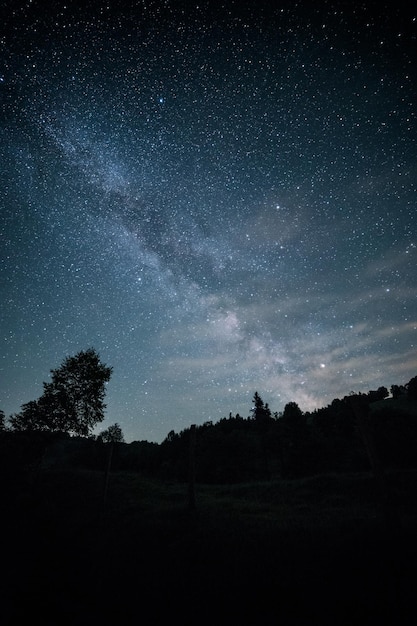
x=262 y=446
x=293 y=444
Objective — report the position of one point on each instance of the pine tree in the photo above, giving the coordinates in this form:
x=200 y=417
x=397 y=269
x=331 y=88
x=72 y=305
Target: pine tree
x=260 y=410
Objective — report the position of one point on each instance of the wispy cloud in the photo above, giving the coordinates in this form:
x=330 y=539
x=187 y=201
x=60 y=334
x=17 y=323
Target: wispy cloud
x=401 y=259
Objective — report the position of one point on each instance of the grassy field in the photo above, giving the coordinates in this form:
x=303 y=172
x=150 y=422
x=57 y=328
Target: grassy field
x=312 y=551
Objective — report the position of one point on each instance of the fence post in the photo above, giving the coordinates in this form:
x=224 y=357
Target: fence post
x=191 y=469
x=107 y=475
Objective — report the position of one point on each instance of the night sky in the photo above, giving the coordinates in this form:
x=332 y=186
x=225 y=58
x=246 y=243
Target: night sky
x=219 y=200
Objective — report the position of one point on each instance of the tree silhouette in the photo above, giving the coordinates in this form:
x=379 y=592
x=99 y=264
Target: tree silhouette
x=412 y=388
x=112 y=434
x=294 y=441
x=33 y=416
x=292 y=412
x=397 y=391
x=2 y=420
x=260 y=410
x=73 y=401
x=380 y=394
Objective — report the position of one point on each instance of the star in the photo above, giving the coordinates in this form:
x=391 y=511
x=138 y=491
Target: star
x=216 y=201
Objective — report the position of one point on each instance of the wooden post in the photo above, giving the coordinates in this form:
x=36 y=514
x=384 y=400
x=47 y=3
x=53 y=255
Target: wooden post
x=191 y=470
x=107 y=475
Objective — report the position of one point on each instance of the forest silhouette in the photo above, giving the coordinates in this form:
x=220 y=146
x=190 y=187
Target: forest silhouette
x=293 y=517
x=262 y=446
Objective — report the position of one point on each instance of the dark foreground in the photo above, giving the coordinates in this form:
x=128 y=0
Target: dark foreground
x=314 y=551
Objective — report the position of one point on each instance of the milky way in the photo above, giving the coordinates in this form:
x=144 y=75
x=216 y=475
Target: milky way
x=218 y=200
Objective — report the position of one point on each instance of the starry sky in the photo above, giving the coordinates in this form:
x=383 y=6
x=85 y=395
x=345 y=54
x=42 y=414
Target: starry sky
x=218 y=197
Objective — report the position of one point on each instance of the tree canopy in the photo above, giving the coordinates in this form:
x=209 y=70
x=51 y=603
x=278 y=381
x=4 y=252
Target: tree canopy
x=73 y=401
x=112 y=434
